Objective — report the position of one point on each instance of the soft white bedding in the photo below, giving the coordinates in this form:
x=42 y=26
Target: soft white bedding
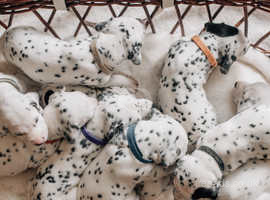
x=154 y=50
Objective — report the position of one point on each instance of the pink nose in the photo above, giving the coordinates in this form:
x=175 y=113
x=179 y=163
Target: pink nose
x=39 y=141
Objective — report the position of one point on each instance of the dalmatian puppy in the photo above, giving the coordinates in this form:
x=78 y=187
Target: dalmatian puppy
x=187 y=69
x=91 y=61
x=228 y=146
x=141 y=154
x=15 y=105
x=250 y=181
x=96 y=123
x=22 y=128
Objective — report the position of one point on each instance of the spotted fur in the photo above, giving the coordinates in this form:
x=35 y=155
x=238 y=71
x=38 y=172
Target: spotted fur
x=117 y=174
x=46 y=59
x=66 y=113
x=131 y=29
x=185 y=72
x=15 y=105
x=241 y=139
x=22 y=126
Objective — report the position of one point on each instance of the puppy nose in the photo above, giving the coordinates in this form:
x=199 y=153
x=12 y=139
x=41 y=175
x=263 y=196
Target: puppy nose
x=100 y=26
x=204 y=193
x=236 y=84
x=39 y=141
x=130 y=55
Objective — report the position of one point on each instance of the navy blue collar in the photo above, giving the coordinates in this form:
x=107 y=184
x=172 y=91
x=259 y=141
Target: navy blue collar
x=214 y=155
x=92 y=138
x=133 y=144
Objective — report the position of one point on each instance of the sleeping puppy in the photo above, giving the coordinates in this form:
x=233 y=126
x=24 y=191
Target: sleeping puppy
x=141 y=155
x=15 y=105
x=228 y=146
x=250 y=181
x=90 y=61
x=187 y=69
x=87 y=125
x=23 y=130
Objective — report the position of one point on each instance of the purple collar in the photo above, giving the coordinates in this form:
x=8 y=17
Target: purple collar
x=92 y=138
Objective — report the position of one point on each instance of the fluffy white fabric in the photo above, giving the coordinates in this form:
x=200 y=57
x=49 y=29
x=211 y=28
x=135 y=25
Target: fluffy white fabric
x=154 y=49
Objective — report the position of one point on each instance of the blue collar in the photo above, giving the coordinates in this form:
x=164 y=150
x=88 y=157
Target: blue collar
x=133 y=144
x=92 y=138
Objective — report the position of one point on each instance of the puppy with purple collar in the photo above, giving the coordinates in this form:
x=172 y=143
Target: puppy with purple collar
x=137 y=162
x=86 y=125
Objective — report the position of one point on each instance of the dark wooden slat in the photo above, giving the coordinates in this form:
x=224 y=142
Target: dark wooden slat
x=45 y=23
x=83 y=18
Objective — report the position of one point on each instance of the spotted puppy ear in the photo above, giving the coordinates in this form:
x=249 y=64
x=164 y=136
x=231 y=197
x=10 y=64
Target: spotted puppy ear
x=221 y=29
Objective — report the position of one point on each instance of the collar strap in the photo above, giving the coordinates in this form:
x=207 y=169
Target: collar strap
x=103 y=67
x=133 y=145
x=12 y=82
x=214 y=155
x=52 y=141
x=108 y=69
x=92 y=138
x=197 y=40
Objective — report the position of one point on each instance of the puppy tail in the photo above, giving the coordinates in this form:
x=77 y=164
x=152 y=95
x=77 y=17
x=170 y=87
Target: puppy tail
x=258 y=61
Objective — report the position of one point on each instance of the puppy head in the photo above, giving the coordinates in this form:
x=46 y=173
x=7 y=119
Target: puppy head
x=231 y=44
x=161 y=139
x=126 y=109
x=67 y=113
x=111 y=50
x=246 y=94
x=21 y=116
x=131 y=30
x=195 y=178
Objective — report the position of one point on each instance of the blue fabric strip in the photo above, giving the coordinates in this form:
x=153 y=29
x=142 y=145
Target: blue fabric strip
x=91 y=138
x=133 y=145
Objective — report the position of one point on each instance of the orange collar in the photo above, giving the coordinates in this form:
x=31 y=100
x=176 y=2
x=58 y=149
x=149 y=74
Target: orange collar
x=197 y=40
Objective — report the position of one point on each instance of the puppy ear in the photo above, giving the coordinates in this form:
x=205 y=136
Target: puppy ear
x=221 y=29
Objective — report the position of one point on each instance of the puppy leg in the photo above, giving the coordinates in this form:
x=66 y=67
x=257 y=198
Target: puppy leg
x=157 y=189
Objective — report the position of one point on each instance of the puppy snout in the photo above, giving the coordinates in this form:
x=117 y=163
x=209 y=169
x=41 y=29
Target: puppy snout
x=204 y=193
x=100 y=26
x=130 y=55
x=39 y=141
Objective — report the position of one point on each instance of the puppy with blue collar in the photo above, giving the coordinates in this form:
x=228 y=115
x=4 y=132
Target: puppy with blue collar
x=86 y=125
x=137 y=162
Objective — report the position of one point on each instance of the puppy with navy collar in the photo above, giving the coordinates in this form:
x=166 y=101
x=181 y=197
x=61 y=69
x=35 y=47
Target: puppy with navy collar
x=224 y=149
x=186 y=70
x=87 y=61
x=137 y=162
x=87 y=125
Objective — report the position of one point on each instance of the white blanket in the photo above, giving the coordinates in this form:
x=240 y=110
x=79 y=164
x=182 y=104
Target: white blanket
x=155 y=48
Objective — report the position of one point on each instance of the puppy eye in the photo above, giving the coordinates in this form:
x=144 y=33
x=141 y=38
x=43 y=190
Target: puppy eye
x=47 y=96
